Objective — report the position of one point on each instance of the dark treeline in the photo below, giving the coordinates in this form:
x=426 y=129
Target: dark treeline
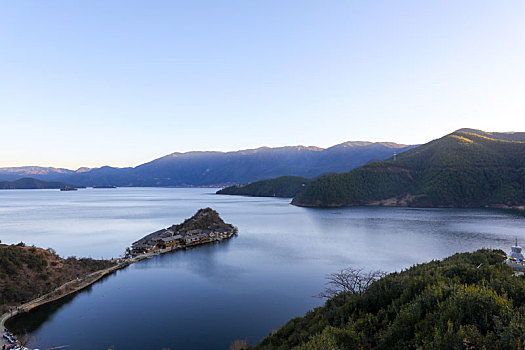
x=284 y=186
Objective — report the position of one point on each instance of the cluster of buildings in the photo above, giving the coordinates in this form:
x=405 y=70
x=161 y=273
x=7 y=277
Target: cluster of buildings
x=171 y=240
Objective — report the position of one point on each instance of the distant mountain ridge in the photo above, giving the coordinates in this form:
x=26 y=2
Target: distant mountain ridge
x=467 y=168
x=222 y=168
x=13 y=173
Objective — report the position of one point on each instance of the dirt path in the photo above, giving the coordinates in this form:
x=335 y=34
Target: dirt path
x=67 y=289
x=72 y=287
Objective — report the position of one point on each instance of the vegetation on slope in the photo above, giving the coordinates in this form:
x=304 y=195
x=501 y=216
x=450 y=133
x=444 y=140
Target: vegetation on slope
x=28 y=272
x=204 y=219
x=467 y=301
x=467 y=168
x=284 y=186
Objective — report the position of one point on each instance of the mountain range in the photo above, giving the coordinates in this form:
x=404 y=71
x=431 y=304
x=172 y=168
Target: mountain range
x=220 y=168
x=467 y=168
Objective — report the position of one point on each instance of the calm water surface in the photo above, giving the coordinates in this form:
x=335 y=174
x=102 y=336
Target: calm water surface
x=206 y=297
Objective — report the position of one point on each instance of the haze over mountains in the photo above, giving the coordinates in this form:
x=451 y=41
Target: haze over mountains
x=220 y=168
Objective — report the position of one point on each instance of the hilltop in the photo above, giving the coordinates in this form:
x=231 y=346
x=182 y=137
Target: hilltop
x=284 y=186
x=204 y=219
x=466 y=301
x=221 y=168
x=467 y=168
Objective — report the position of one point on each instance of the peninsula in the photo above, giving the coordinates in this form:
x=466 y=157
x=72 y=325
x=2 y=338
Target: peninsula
x=204 y=227
x=31 y=276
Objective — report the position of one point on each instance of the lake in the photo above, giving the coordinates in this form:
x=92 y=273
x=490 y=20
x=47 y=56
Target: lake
x=209 y=296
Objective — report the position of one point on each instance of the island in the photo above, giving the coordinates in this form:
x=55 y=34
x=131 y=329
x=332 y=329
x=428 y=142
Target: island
x=205 y=226
x=68 y=188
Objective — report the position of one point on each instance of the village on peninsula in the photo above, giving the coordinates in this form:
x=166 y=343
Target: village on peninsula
x=204 y=227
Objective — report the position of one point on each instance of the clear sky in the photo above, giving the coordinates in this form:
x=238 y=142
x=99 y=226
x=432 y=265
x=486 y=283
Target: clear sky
x=121 y=82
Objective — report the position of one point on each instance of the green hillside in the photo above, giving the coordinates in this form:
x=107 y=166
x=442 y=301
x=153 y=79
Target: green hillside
x=284 y=186
x=468 y=168
x=467 y=301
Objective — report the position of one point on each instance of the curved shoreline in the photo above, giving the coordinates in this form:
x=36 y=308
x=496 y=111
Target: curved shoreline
x=70 y=288
x=162 y=243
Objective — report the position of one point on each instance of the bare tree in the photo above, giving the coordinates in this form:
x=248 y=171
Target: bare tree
x=349 y=281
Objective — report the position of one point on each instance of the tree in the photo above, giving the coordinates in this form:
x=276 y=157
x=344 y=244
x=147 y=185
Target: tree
x=349 y=281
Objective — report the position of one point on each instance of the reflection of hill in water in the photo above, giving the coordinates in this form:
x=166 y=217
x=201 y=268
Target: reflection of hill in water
x=32 y=320
x=29 y=322
x=206 y=297
x=199 y=260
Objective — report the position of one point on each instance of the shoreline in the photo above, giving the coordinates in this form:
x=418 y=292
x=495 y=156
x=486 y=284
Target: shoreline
x=79 y=284
x=156 y=243
x=71 y=287
x=517 y=208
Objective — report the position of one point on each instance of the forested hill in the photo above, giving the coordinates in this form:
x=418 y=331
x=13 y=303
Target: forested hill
x=284 y=186
x=468 y=168
x=467 y=301
x=204 y=219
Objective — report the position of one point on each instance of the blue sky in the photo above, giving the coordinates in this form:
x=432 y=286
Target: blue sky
x=120 y=82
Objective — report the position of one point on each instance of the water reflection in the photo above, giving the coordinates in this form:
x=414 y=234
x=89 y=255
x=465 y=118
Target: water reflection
x=30 y=321
x=208 y=296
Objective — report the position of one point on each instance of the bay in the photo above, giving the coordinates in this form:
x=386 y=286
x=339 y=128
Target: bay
x=208 y=296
